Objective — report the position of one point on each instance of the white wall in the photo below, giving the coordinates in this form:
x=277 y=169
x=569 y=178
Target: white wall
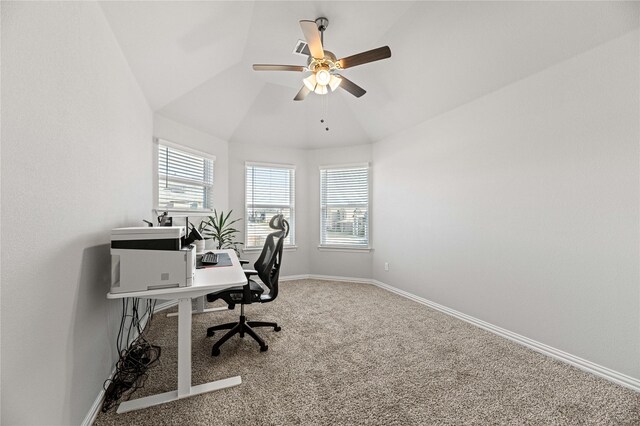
x=522 y=207
x=295 y=261
x=343 y=263
x=76 y=162
x=230 y=185
x=173 y=131
x=306 y=258
x=525 y=201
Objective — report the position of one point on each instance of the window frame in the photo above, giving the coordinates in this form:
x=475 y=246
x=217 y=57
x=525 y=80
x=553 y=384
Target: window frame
x=345 y=247
x=292 y=196
x=156 y=178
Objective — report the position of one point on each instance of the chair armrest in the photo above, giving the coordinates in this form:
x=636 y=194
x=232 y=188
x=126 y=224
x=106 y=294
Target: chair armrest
x=243 y=261
x=250 y=272
x=246 y=289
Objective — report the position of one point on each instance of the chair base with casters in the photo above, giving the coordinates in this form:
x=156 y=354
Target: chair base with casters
x=242 y=327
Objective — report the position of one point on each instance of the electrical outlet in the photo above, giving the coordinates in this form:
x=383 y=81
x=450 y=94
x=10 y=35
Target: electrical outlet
x=386 y=266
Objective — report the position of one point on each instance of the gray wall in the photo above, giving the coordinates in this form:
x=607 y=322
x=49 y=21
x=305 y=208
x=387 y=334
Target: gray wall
x=76 y=162
x=522 y=207
x=341 y=263
x=306 y=258
x=295 y=261
x=172 y=131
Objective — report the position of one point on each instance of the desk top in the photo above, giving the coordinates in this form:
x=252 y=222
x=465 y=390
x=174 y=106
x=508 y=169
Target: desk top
x=206 y=281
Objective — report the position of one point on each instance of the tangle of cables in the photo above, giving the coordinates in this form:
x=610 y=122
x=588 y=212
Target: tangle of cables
x=136 y=353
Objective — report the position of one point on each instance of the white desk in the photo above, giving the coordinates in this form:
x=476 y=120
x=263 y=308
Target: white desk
x=206 y=281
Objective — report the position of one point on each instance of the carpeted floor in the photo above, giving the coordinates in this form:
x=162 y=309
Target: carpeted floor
x=354 y=354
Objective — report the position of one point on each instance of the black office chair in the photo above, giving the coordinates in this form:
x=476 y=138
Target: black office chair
x=267 y=267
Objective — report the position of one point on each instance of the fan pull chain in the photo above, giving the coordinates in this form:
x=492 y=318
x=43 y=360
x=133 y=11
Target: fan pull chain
x=325 y=112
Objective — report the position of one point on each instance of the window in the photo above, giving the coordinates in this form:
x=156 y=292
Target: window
x=344 y=206
x=185 y=178
x=270 y=189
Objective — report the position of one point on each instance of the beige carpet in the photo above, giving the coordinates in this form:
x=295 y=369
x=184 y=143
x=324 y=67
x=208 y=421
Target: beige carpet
x=354 y=354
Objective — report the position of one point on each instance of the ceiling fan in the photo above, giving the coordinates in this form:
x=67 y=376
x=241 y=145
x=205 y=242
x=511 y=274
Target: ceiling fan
x=324 y=66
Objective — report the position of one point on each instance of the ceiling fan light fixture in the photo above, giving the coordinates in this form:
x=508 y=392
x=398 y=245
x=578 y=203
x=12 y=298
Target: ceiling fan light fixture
x=321 y=90
x=323 y=77
x=310 y=82
x=334 y=82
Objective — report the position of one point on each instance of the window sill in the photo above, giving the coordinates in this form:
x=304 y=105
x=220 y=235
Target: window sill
x=184 y=212
x=346 y=249
x=257 y=249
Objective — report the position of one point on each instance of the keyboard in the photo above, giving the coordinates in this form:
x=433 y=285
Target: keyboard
x=209 y=259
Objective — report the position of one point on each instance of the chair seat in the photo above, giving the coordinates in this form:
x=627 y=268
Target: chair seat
x=233 y=295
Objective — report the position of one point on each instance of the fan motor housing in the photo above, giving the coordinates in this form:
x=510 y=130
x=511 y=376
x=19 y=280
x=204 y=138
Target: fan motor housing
x=328 y=60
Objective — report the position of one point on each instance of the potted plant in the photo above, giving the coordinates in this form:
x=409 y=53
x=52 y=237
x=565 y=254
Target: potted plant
x=199 y=243
x=219 y=228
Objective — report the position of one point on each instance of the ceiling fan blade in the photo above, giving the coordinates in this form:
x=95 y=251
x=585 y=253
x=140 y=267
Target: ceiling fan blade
x=266 y=67
x=312 y=35
x=302 y=94
x=351 y=87
x=365 y=57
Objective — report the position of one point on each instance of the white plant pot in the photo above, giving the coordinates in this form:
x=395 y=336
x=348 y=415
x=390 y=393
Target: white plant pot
x=200 y=246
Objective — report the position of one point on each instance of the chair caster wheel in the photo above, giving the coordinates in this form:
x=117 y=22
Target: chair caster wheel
x=210 y=333
x=277 y=328
x=264 y=348
x=215 y=352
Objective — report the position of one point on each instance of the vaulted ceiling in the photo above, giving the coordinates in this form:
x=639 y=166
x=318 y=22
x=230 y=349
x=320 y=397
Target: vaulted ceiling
x=193 y=60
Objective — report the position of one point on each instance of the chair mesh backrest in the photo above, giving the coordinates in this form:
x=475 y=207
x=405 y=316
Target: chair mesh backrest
x=268 y=264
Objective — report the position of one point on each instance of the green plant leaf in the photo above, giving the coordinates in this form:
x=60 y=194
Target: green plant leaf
x=219 y=228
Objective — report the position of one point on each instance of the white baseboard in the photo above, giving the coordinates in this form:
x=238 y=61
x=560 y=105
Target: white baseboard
x=341 y=279
x=326 y=278
x=294 y=277
x=97 y=405
x=583 y=364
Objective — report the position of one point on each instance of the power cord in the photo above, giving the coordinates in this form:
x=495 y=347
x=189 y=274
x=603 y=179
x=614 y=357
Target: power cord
x=136 y=357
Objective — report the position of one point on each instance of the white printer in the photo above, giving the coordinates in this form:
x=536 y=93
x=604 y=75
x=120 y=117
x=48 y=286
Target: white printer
x=148 y=258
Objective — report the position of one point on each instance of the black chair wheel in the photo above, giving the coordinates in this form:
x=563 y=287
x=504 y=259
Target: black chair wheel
x=210 y=333
x=215 y=352
x=264 y=348
x=277 y=328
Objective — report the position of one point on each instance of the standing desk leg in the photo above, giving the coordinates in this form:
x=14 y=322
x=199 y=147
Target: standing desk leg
x=199 y=302
x=184 y=347
x=185 y=389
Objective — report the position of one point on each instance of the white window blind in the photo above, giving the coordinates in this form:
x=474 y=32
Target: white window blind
x=344 y=206
x=185 y=179
x=270 y=190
